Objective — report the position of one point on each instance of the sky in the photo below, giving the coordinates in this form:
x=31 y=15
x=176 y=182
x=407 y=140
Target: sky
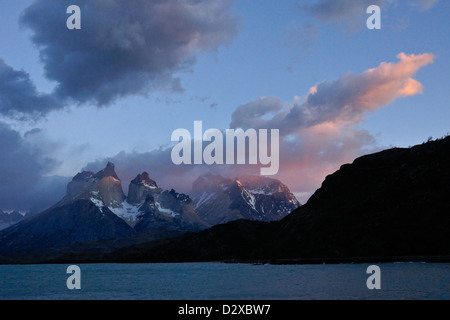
x=71 y=100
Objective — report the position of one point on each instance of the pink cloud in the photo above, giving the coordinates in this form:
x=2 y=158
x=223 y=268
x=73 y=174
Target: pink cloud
x=321 y=133
x=390 y=81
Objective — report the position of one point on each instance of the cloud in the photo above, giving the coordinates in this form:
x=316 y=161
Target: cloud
x=125 y=49
x=351 y=15
x=19 y=97
x=347 y=13
x=23 y=163
x=344 y=100
x=251 y=115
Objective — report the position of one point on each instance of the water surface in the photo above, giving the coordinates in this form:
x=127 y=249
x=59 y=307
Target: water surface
x=217 y=281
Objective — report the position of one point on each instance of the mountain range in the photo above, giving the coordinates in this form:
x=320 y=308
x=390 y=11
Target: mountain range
x=249 y=197
x=388 y=206
x=95 y=209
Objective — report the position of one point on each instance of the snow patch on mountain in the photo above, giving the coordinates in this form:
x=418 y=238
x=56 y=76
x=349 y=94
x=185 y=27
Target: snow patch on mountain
x=166 y=211
x=249 y=199
x=127 y=211
x=98 y=203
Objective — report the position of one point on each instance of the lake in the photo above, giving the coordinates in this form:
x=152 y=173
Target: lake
x=218 y=281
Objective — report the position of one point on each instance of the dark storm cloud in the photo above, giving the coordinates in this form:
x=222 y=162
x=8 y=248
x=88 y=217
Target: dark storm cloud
x=22 y=166
x=19 y=97
x=125 y=49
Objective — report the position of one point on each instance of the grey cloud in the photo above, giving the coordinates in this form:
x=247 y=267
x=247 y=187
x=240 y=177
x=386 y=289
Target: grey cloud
x=19 y=97
x=349 y=13
x=44 y=193
x=251 y=115
x=125 y=49
x=22 y=167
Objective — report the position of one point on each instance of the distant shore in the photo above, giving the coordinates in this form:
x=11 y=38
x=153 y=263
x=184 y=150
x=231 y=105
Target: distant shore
x=299 y=261
x=362 y=260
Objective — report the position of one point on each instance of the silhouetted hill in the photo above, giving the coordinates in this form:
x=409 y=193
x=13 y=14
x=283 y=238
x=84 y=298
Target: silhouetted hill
x=391 y=203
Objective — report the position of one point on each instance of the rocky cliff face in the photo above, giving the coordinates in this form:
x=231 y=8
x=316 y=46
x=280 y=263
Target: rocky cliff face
x=141 y=187
x=169 y=210
x=149 y=207
x=220 y=200
x=103 y=186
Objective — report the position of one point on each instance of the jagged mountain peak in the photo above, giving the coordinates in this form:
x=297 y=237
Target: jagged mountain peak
x=109 y=171
x=143 y=179
x=263 y=185
x=219 y=199
x=102 y=187
x=141 y=188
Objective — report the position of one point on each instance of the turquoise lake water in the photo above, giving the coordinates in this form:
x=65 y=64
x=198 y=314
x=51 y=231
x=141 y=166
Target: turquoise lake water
x=217 y=281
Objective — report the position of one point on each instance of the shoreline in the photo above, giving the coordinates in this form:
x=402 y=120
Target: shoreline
x=354 y=260
x=297 y=261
